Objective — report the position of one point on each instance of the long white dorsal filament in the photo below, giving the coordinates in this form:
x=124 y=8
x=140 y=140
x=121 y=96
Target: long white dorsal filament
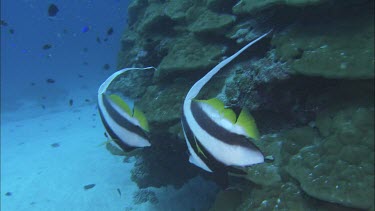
x=107 y=82
x=193 y=92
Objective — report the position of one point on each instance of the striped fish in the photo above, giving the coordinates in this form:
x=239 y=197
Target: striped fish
x=216 y=138
x=125 y=123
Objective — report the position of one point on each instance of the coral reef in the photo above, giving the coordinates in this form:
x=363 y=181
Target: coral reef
x=211 y=23
x=319 y=49
x=165 y=163
x=250 y=7
x=144 y=195
x=340 y=169
x=310 y=87
x=200 y=56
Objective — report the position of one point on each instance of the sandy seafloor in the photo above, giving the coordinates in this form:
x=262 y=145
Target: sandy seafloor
x=42 y=177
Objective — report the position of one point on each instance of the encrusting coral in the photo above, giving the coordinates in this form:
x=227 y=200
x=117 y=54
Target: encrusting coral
x=310 y=88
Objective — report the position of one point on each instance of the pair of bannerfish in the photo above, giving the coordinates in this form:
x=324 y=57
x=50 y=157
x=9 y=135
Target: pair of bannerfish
x=216 y=138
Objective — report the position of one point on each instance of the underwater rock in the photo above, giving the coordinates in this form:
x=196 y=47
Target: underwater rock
x=143 y=196
x=284 y=197
x=189 y=56
x=128 y=40
x=251 y=7
x=162 y=105
x=295 y=85
x=212 y=23
x=221 y=6
x=176 y=10
x=227 y=200
x=132 y=84
x=244 y=32
x=341 y=168
x=295 y=139
x=267 y=173
x=334 y=47
x=135 y=8
x=154 y=19
x=166 y=163
x=243 y=86
x=339 y=148
x=288 y=196
x=279 y=146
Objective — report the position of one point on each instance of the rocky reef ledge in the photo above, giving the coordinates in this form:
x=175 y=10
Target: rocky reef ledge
x=309 y=86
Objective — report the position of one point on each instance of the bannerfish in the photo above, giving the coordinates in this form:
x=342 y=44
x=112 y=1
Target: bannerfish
x=125 y=124
x=52 y=10
x=216 y=138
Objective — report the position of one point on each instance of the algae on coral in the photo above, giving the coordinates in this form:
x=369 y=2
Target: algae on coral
x=314 y=120
x=335 y=47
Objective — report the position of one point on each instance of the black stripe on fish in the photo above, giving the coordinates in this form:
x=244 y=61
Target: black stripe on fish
x=113 y=135
x=207 y=158
x=215 y=130
x=120 y=120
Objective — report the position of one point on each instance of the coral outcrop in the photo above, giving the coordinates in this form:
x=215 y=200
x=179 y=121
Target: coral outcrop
x=327 y=48
x=309 y=86
x=251 y=7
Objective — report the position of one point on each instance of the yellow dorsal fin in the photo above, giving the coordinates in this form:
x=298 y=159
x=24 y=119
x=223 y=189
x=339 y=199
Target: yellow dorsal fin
x=219 y=106
x=140 y=116
x=247 y=122
x=121 y=103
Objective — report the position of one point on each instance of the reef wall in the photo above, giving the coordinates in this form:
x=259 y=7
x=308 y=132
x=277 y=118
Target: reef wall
x=310 y=87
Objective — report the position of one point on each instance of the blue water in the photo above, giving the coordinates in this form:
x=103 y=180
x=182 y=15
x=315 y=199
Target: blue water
x=51 y=134
x=23 y=61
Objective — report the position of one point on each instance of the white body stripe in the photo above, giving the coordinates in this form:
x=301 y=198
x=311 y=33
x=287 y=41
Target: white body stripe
x=131 y=119
x=229 y=155
x=215 y=116
x=130 y=138
x=225 y=153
